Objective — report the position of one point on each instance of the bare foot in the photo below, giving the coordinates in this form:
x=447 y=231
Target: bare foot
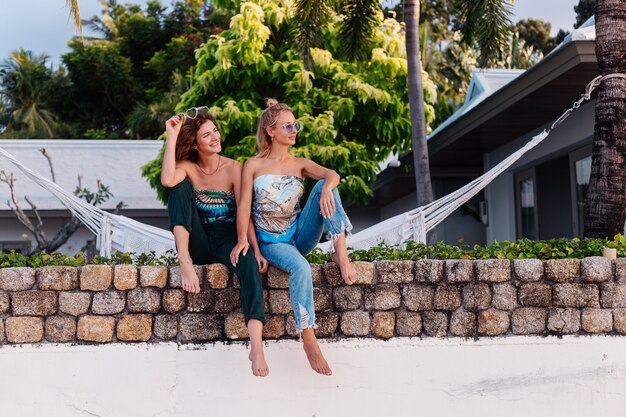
x=345 y=266
x=189 y=278
x=259 y=366
x=316 y=359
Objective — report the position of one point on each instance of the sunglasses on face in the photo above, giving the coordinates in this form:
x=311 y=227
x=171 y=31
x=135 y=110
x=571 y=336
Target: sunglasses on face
x=289 y=128
x=193 y=112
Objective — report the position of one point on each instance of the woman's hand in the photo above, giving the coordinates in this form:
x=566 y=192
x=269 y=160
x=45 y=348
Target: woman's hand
x=262 y=262
x=327 y=202
x=242 y=246
x=173 y=124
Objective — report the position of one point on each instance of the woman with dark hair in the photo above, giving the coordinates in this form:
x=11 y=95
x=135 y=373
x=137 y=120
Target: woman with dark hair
x=203 y=192
x=271 y=186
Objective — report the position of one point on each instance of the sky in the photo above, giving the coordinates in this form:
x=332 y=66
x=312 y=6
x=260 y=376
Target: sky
x=43 y=26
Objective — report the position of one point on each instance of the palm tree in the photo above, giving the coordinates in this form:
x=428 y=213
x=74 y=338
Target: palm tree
x=605 y=202
x=72 y=5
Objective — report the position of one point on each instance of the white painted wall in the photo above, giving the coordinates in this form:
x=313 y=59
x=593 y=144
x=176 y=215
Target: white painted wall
x=516 y=376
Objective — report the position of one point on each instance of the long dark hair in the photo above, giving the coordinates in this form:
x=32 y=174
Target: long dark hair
x=187 y=136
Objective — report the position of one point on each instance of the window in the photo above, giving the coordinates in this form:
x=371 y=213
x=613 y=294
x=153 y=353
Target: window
x=582 y=168
x=526 y=198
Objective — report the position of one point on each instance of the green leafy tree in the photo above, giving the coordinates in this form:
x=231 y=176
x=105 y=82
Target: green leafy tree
x=584 y=10
x=536 y=33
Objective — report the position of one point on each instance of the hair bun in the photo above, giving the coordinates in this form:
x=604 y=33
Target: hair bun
x=269 y=102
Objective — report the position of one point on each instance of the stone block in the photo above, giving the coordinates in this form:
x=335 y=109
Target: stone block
x=327 y=323
x=493 y=270
x=74 y=303
x=619 y=320
x=24 y=329
x=321 y=298
x=95 y=328
x=613 y=295
x=620 y=270
x=382 y=297
x=462 y=323
x=109 y=302
x=364 y=271
x=135 y=328
x=277 y=278
x=235 y=326
x=153 y=276
x=596 y=269
x=144 y=300
x=383 y=324
x=564 y=320
x=348 y=298
x=166 y=327
x=535 y=294
x=435 y=323
x=96 y=277
x=447 y=297
x=528 y=270
x=279 y=301
x=175 y=280
x=395 y=272
x=34 y=303
x=476 y=296
x=1 y=331
x=60 y=329
x=596 y=320
x=562 y=270
x=274 y=327
x=5 y=302
x=332 y=274
x=202 y=302
x=529 y=320
x=418 y=297
x=429 y=270
x=493 y=322
x=57 y=278
x=174 y=300
x=217 y=276
x=317 y=272
x=355 y=323
x=575 y=295
x=17 y=279
x=200 y=327
x=459 y=271
x=504 y=296
x=227 y=300
x=408 y=323
x=125 y=277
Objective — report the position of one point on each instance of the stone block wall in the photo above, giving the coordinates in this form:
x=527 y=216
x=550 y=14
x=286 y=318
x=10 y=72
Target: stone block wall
x=427 y=298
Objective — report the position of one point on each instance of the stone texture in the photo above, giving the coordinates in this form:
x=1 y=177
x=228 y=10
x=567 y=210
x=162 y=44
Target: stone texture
x=332 y=274
x=174 y=300
x=274 y=327
x=321 y=298
x=124 y=277
x=5 y=302
x=355 y=323
x=1 y=331
x=562 y=270
x=279 y=301
x=564 y=320
x=418 y=297
x=202 y=302
x=109 y=302
x=74 y=303
x=60 y=329
x=235 y=326
x=429 y=270
x=348 y=298
x=153 y=276
x=217 y=276
x=327 y=323
x=408 y=323
x=504 y=296
x=96 y=277
x=200 y=327
x=613 y=295
x=596 y=320
x=459 y=271
x=57 y=278
x=493 y=322
x=364 y=271
x=277 y=278
x=144 y=300
x=17 y=279
x=575 y=295
x=596 y=269
x=135 y=328
x=535 y=294
x=435 y=323
x=175 y=279
x=383 y=324
x=34 y=303
x=227 y=300
x=529 y=320
x=493 y=270
x=317 y=272
x=620 y=269
x=24 y=329
x=476 y=296
x=395 y=272
x=619 y=320
x=291 y=328
x=166 y=327
x=382 y=297
x=95 y=328
x=528 y=270
x=462 y=323
x=447 y=297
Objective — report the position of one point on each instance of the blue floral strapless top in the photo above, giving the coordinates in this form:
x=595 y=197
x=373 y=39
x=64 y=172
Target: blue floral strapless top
x=215 y=206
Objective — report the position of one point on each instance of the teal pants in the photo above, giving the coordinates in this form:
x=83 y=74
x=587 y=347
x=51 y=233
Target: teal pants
x=212 y=243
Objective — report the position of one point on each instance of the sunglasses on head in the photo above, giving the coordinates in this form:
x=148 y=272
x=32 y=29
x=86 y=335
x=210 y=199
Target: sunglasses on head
x=193 y=112
x=292 y=127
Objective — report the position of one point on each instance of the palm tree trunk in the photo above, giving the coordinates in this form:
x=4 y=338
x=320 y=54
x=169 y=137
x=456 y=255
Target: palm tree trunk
x=605 y=203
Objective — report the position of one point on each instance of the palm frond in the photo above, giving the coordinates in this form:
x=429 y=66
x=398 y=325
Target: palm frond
x=360 y=19
x=72 y=5
x=307 y=22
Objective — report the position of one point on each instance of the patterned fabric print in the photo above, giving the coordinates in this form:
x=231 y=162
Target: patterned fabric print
x=276 y=206
x=215 y=206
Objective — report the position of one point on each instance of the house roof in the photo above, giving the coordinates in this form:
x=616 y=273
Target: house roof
x=117 y=163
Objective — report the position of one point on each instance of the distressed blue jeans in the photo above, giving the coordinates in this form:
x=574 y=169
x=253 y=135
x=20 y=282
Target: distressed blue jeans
x=289 y=256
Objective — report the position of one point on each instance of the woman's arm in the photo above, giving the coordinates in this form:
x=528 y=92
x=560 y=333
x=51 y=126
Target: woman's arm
x=331 y=180
x=243 y=195
x=170 y=173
